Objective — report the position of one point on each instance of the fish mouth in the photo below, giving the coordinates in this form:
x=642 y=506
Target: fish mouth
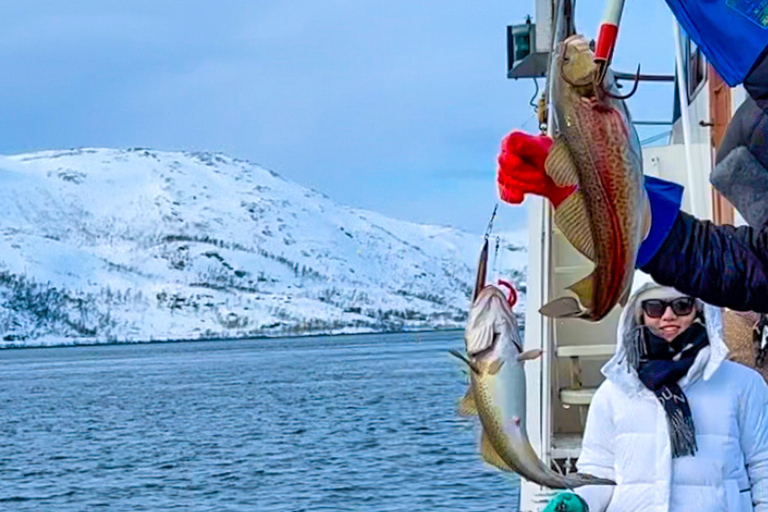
x=582 y=73
x=488 y=349
x=494 y=341
x=584 y=82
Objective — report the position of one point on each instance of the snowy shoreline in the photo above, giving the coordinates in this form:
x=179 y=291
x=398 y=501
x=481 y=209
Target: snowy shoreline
x=104 y=245
x=87 y=343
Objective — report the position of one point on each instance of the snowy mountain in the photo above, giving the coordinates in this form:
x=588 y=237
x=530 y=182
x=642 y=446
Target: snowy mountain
x=102 y=245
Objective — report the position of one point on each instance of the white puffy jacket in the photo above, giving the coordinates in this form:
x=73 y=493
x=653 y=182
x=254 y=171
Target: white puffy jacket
x=627 y=439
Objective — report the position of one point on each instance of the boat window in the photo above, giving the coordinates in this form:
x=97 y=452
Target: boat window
x=695 y=68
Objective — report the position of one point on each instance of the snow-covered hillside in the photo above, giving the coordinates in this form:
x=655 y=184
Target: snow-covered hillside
x=135 y=245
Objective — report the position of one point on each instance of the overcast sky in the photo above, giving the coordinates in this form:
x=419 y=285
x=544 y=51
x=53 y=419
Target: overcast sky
x=395 y=106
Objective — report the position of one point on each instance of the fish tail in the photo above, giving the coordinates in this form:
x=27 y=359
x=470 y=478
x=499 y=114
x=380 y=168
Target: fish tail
x=564 y=307
x=578 y=479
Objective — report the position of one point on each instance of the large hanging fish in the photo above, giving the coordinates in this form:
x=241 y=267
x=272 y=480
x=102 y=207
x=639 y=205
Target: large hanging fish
x=497 y=388
x=596 y=151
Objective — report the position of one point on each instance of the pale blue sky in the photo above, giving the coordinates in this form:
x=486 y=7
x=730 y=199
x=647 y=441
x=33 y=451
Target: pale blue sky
x=395 y=106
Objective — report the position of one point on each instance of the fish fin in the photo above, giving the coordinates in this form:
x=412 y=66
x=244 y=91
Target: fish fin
x=574 y=480
x=572 y=218
x=495 y=366
x=564 y=307
x=490 y=455
x=647 y=219
x=560 y=165
x=530 y=355
x=472 y=366
x=584 y=290
x=467 y=404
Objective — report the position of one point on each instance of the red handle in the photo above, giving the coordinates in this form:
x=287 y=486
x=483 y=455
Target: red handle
x=606 y=41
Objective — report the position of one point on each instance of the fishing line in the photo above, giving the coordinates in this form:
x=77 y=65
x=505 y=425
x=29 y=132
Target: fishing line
x=501 y=256
x=490 y=222
x=531 y=118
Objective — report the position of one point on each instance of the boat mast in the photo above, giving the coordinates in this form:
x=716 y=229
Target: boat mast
x=684 y=117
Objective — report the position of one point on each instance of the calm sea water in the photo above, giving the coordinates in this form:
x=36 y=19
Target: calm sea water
x=345 y=423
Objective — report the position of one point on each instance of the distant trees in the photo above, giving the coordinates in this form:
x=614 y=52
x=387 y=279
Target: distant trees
x=30 y=308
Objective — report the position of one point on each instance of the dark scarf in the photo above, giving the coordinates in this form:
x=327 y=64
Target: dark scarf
x=660 y=367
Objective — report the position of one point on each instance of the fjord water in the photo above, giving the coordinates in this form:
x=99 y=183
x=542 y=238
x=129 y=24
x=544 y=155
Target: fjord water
x=329 y=424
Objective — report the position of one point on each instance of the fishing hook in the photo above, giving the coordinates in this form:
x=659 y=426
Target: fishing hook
x=632 y=92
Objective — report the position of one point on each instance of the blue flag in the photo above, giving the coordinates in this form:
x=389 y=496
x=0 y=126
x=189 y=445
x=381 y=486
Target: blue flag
x=732 y=34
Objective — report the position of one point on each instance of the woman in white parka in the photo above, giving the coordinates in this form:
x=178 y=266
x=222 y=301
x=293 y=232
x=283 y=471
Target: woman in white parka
x=676 y=425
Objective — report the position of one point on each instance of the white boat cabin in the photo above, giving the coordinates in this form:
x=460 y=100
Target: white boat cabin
x=561 y=383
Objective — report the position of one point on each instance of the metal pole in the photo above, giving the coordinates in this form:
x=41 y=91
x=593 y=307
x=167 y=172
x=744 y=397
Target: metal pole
x=547 y=325
x=652 y=123
x=618 y=75
x=682 y=90
x=557 y=36
x=607 y=35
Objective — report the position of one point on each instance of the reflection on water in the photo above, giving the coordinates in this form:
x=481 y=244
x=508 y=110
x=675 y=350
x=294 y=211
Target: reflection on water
x=312 y=424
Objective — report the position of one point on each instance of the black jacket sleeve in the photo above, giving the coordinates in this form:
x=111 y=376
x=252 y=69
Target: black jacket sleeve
x=722 y=265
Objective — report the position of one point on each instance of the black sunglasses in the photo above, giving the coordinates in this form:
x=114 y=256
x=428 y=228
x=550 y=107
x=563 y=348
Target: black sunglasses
x=681 y=306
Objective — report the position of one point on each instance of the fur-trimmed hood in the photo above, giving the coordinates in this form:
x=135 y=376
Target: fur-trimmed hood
x=619 y=370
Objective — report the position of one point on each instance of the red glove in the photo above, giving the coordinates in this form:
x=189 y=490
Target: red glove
x=521 y=170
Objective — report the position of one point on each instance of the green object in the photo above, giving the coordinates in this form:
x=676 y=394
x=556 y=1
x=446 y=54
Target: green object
x=567 y=502
x=755 y=10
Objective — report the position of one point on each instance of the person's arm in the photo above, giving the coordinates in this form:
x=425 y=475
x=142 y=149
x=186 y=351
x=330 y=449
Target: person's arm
x=753 y=438
x=721 y=265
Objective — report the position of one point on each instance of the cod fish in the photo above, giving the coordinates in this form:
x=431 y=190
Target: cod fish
x=497 y=389
x=597 y=152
